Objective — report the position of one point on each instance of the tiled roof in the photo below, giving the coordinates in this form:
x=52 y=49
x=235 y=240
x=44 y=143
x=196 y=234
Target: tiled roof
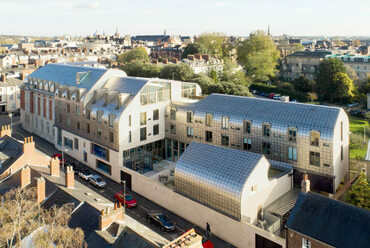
x=330 y=221
x=10 y=151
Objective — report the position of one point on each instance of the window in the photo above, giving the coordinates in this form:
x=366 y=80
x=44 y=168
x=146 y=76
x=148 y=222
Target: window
x=247 y=143
x=155 y=114
x=87 y=128
x=60 y=118
x=78 y=110
x=315 y=137
x=209 y=118
x=68 y=143
x=189 y=117
x=341 y=153
x=36 y=123
x=47 y=127
x=143 y=118
x=208 y=136
x=292 y=133
x=111 y=137
x=78 y=125
x=224 y=139
x=88 y=112
x=341 y=130
x=100 y=151
x=306 y=243
x=104 y=167
x=266 y=130
x=11 y=97
x=292 y=153
x=247 y=126
x=85 y=156
x=173 y=114
x=68 y=121
x=188 y=90
x=190 y=132
x=155 y=92
x=60 y=105
x=129 y=120
x=225 y=122
x=172 y=129
x=156 y=129
x=68 y=108
x=315 y=158
x=112 y=117
x=254 y=188
x=98 y=132
x=142 y=133
x=266 y=148
x=99 y=116
x=42 y=125
x=76 y=144
x=129 y=137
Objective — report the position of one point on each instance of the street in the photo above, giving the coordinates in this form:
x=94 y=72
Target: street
x=138 y=213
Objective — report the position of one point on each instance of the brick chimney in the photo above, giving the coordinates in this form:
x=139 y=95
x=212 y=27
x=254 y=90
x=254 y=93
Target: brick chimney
x=191 y=57
x=29 y=145
x=25 y=176
x=198 y=56
x=205 y=57
x=70 y=177
x=3 y=77
x=175 y=60
x=5 y=130
x=40 y=189
x=108 y=216
x=155 y=61
x=54 y=167
x=22 y=76
x=165 y=61
x=305 y=184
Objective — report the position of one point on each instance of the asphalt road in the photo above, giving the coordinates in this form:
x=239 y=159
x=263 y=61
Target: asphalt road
x=144 y=204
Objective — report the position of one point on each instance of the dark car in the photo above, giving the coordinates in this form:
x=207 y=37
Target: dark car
x=161 y=220
x=360 y=113
x=262 y=93
x=85 y=174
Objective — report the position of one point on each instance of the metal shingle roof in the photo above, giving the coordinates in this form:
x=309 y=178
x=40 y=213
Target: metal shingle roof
x=131 y=85
x=66 y=74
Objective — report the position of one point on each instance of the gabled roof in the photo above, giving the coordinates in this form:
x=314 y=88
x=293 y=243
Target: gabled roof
x=66 y=74
x=330 y=221
x=298 y=115
x=59 y=198
x=10 y=151
x=85 y=217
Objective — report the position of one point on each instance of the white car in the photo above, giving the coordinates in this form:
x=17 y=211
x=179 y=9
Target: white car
x=276 y=97
x=85 y=174
x=98 y=181
x=354 y=104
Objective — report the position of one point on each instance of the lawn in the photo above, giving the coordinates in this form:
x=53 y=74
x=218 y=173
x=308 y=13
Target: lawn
x=358 y=148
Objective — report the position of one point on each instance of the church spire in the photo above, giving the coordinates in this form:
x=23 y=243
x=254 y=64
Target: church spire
x=165 y=32
x=268 y=30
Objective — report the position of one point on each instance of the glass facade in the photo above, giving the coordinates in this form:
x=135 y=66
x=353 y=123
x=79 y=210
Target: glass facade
x=154 y=92
x=100 y=151
x=188 y=90
x=103 y=167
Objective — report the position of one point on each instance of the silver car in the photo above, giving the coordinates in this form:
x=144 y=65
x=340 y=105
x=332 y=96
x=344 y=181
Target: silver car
x=98 y=181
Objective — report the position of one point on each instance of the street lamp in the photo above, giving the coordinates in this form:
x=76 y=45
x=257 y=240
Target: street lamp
x=63 y=149
x=123 y=183
x=11 y=120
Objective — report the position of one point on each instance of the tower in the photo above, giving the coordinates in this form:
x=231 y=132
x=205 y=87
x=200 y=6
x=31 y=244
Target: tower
x=268 y=30
x=165 y=32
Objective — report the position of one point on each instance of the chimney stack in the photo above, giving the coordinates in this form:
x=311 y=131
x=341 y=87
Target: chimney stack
x=191 y=57
x=205 y=57
x=3 y=77
x=175 y=60
x=106 y=98
x=29 y=145
x=5 y=130
x=119 y=101
x=40 y=189
x=70 y=177
x=109 y=216
x=165 y=61
x=305 y=184
x=25 y=176
x=198 y=56
x=54 y=167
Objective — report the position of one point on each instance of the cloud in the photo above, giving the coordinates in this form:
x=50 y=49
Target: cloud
x=222 y=4
x=86 y=6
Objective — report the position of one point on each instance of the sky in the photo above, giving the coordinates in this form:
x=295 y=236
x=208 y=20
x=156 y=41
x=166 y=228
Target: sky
x=185 y=17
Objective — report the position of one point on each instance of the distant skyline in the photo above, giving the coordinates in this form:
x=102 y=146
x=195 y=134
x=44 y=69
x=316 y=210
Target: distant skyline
x=185 y=17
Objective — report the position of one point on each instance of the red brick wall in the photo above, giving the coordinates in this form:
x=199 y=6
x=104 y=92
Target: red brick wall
x=294 y=240
x=22 y=99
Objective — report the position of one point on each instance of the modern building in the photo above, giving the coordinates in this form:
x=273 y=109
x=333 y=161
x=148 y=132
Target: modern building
x=319 y=221
x=358 y=63
x=302 y=63
x=315 y=139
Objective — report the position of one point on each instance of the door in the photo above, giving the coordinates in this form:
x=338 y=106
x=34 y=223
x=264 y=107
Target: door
x=126 y=177
x=262 y=242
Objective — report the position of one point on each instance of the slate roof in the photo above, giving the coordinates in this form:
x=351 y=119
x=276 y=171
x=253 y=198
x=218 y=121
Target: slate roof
x=330 y=221
x=238 y=108
x=59 y=198
x=212 y=174
x=130 y=239
x=10 y=151
x=314 y=54
x=66 y=74
x=130 y=85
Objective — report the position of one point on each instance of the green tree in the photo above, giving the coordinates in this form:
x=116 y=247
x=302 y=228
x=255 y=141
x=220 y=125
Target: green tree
x=213 y=44
x=303 y=84
x=204 y=82
x=141 y=69
x=230 y=88
x=343 y=87
x=232 y=73
x=182 y=72
x=138 y=53
x=259 y=56
x=194 y=48
x=359 y=194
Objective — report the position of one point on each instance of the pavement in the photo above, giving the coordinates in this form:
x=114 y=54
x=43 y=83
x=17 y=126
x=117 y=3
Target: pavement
x=138 y=213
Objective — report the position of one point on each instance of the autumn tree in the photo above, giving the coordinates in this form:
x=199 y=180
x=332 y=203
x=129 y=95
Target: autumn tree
x=259 y=56
x=136 y=54
x=359 y=194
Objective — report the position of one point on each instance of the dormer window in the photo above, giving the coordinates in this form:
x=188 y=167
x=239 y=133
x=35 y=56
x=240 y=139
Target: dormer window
x=99 y=115
x=112 y=117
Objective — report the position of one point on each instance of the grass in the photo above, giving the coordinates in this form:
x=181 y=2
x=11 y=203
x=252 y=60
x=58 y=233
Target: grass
x=358 y=148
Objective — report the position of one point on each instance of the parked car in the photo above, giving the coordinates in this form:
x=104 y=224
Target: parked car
x=262 y=93
x=160 y=219
x=353 y=104
x=85 y=174
x=254 y=91
x=271 y=95
x=129 y=200
x=276 y=97
x=77 y=167
x=58 y=155
x=293 y=100
x=97 y=181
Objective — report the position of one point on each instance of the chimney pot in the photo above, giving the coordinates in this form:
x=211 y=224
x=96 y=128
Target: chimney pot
x=25 y=176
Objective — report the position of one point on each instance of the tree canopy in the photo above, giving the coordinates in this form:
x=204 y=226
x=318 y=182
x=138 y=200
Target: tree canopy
x=259 y=56
x=359 y=194
x=138 y=53
x=141 y=69
x=213 y=44
x=182 y=72
x=303 y=84
x=194 y=48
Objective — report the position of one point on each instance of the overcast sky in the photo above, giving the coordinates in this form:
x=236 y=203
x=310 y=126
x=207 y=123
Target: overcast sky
x=186 y=17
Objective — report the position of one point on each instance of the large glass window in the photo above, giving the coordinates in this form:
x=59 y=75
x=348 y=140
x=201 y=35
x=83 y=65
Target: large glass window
x=266 y=130
x=209 y=136
x=266 y=148
x=189 y=117
x=112 y=117
x=224 y=139
x=156 y=129
x=76 y=144
x=68 y=108
x=88 y=112
x=315 y=158
x=99 y=115
x=292 y=153
x=292 y=133
x=154 y=92
x=172 y=129
x=111 y=139
x=225 y=122
x=173 y=114
x=142 y=133
x=104 y=167
x=88 y=128
x=155 y=114
x=209 y=118
x=190 y=132
x=143 y=118
x=188 y=90
x=247 y=126
x=100 y=151
x=68 y=143
x=315 y=138
x=78 y=110
x=247 y=143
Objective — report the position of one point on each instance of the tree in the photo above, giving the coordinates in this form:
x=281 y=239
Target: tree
x=203 y=81
x=343 y=87
x=194 y=48
x=20 y=215
x=182 y=72
x=312 y=96
x=230 y=88
x=359 y=194
x=138 y=53
x=259 y=56
x=325 y=77
x=213 y=44
x=141 y=69
x=303 y=84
